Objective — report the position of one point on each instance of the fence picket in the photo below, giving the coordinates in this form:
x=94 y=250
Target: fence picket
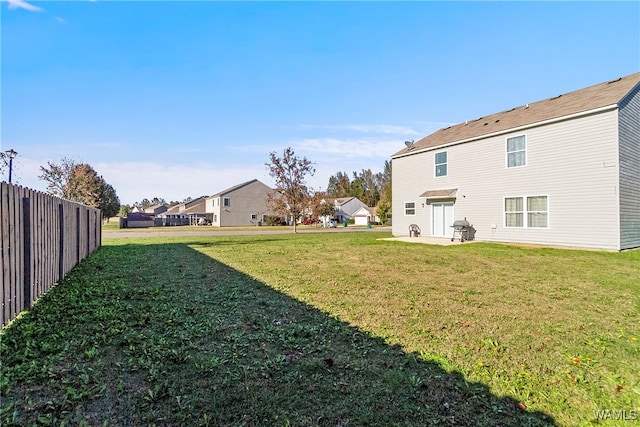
x=43 y=238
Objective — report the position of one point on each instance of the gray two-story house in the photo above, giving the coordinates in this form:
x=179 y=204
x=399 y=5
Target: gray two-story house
x=241 y=205
x=562 y=171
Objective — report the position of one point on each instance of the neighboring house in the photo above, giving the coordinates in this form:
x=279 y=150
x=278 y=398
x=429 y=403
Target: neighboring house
x=187 y=213
x=562 y=171
x=364 y=216
x=137 y=220
x=156 y=209
x=345 y=207
x=242 y=204
x=195 y=212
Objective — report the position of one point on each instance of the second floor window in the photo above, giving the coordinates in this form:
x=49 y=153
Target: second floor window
x=226 y=201
x=441 y=164
x=516 y=151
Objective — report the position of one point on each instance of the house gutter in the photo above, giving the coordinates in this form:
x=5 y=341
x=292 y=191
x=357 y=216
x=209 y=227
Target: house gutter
x=511 y=130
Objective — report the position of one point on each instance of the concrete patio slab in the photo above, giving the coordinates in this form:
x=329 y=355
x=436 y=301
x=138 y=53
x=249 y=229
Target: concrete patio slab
x=442 y=241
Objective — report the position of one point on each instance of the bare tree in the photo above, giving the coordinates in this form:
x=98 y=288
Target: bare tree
x=291 y=193
x=57 y=176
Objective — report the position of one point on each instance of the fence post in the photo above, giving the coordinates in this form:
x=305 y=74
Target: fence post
x=77 y=235
x=61 y=248
x=88 y=232
x=26 y=229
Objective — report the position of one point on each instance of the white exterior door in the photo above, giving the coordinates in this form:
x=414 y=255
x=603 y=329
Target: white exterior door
x=442 y=219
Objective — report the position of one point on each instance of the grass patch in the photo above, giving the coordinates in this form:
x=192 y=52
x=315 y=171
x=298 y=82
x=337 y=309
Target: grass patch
x=327 y=329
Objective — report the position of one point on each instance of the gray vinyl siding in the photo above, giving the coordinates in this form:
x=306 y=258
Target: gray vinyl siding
x=573 y=163
x=243 y=202
x=629 y=133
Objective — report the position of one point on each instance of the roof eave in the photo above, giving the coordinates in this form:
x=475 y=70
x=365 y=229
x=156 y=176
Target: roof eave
x=405 y=153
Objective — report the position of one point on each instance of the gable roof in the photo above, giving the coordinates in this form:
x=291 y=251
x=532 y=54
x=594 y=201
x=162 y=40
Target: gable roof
x=339 y=200
x=602 y=95
x=234 y=188
x=366 y=210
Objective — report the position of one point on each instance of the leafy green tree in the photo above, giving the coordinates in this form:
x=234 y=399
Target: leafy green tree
x=109 y=201
x=291 y=193
x=124 y=210
x=383 y=210
x=80 y=183
x=339 y=185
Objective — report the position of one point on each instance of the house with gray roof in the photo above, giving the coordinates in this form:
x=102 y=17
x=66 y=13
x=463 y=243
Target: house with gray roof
x=345 y=207
x=563 y=171
x=241 y=205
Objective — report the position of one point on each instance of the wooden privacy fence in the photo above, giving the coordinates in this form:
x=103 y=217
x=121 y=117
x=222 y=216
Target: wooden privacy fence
x=43 y=237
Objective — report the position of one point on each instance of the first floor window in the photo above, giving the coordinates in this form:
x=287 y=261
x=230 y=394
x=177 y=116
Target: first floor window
x=537 y=212
x=513 y=212
x=254 y=217
x=529 y=212
x=410 y=208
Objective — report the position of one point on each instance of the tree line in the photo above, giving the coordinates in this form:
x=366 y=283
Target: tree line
x=293 y=198
x=373 y=189
x=79 y=182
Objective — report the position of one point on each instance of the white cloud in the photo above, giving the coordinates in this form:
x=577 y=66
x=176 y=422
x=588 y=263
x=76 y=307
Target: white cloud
x=379 y=129
x=21 y=4
x=61 y=20
x=348 y=148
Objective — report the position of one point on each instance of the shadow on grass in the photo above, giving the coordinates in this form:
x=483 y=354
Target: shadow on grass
x=162 y=334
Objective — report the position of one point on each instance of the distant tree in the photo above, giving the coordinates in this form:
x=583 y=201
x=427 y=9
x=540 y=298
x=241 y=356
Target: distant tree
x=371 y=189
x=383 y=210
x=291 y=193
x=109 y=201
x=157 y=201
x=384 y=181
x=339 y=185
x=124 y=210
x=81 y=183
x=319 y=206
x=84 y=186
x=4 y=161
x=57 y=176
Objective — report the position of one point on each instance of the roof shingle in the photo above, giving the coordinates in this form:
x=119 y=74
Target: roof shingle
x=583 y=100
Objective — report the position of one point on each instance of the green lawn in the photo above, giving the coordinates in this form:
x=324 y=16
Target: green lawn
x=330 y=329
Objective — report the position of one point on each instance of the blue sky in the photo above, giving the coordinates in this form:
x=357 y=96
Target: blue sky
x=183 y=99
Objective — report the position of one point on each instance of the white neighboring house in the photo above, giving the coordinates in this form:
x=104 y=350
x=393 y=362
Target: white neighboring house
x=345 y=207
x=562 y=171
x=364 y=216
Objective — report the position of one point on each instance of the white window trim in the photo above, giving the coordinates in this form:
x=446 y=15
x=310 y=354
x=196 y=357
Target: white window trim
x=525 y=218
x=405 y=208
x=226 y=202
x=506 y=151
x=435 y=165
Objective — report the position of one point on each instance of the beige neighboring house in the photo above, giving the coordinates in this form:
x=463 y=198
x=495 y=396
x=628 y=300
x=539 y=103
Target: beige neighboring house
x=364 y=216
x=563 y=171
x=241 y=205
x=188 y=213
x=156 y=209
